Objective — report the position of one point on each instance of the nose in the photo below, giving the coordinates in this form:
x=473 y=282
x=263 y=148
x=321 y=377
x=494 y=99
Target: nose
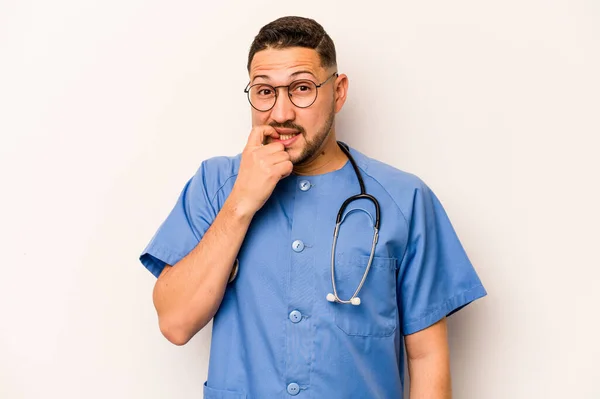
x=283 y=110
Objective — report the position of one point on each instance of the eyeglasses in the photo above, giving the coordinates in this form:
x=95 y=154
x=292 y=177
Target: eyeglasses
x=302 y=93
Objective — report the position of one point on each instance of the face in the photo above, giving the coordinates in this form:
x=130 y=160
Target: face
x=303 y=131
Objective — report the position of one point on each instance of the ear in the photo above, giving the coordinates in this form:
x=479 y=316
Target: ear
x=341 y=91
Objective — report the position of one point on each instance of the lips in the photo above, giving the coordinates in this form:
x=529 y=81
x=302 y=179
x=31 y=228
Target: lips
x=285 y=130
x=286 y=139
x=286 y=133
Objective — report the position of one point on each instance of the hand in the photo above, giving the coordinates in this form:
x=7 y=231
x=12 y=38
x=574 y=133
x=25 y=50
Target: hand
x=262 y=166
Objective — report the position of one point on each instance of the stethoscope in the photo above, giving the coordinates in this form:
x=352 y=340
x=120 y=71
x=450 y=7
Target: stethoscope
x=333 y=297
x=354 y=299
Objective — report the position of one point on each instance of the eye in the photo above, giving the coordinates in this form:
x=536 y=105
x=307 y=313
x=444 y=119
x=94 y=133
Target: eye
x=303 y=87
x=265 y=91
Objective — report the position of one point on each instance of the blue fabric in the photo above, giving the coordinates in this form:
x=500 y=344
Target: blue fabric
x=420 y=274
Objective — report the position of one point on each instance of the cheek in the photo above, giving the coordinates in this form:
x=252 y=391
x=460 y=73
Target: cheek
x=259 y=118
x=311 y=121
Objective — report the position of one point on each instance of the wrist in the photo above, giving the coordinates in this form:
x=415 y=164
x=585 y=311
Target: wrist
x=239 y=208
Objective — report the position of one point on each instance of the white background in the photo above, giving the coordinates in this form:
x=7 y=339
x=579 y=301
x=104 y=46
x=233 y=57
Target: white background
x=108 y=107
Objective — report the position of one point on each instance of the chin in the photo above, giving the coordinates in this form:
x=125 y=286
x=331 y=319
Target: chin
x=295 y=154
x=300 y=158
x=295 y=158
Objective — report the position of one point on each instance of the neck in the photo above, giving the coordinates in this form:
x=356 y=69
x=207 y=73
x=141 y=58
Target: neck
x=327 y=159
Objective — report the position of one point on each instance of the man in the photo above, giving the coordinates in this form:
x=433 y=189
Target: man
x=250 y=243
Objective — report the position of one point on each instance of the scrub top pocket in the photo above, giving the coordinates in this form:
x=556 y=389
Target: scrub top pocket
x=377 y=314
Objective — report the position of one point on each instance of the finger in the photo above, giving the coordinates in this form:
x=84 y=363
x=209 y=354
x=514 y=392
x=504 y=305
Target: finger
x=284 y=169
x=277 y=157
x=258 y=134
x=271 y=148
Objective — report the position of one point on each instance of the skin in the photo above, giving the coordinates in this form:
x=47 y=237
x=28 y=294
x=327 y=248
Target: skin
x=188 y=295
x=316 y=151
x=429 y=362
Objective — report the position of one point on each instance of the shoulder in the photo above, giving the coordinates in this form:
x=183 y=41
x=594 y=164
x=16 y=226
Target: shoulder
x=410 y=194
x=397 y=182
x=214 y=173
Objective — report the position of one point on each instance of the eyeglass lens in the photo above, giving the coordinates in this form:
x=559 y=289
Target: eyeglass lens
x=302 y=93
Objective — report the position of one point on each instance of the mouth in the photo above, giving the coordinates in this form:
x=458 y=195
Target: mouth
x=287 y=139
x=286 y=135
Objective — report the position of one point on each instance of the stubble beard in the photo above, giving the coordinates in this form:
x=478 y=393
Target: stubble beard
x=313 y=146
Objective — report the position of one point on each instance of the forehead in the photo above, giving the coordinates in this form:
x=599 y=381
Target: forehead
x=280 y=63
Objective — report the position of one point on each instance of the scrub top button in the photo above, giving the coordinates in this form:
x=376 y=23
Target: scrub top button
x=293 y=389
x=295 y=316
x=298 y=246
x=304 y=185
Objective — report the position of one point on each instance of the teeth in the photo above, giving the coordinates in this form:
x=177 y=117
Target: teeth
x=286 y=136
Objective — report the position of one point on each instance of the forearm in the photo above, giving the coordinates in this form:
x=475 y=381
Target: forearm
x=188 y=295
x=430 y=377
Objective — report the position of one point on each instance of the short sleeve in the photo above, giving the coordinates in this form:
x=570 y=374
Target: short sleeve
x=436 y=277
x=183 y=228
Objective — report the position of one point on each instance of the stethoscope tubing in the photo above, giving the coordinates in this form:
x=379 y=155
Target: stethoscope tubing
x=354 y=299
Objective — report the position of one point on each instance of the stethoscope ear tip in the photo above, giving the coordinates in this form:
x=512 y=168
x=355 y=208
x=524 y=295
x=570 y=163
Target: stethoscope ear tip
x=355 y=301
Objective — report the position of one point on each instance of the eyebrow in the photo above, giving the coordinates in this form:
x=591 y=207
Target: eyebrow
x=291 y=75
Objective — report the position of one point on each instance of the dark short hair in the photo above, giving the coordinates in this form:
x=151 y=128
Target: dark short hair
x=295 y=32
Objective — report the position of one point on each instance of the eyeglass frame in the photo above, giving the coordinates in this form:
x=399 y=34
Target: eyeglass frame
x=287 y=87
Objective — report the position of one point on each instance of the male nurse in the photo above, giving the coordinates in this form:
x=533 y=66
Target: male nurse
x=249 y=245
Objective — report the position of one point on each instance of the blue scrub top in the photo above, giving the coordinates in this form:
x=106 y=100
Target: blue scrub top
x=275 y=335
